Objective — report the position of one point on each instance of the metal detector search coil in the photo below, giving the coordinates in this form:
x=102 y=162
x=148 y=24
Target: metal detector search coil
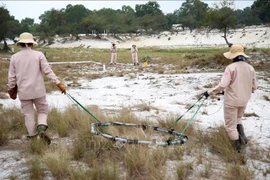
x=181 y=139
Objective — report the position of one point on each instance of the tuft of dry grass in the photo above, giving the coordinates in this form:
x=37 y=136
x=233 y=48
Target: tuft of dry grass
x=184 y=170
x=58 y=123
x=207 y=170
x=256 y=152
x=251 y=114
x=13 y=120
x=102 y=158
x=221 y=144
x=209 y=85
x=159 y=69
x=136 y=166
x=4 y=130
x=177 y=153
x=58 y=161
x=177 y=126
x=35 y=168
x=4 y=64
x=72 y=119
x=145 y=107
x=235 y=171
x=107 y=170
x=266 y=98
x=36 y=146
x=105 y=159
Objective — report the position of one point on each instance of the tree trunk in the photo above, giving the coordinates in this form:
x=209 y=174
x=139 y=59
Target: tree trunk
x=6 y=48
x=225 y=37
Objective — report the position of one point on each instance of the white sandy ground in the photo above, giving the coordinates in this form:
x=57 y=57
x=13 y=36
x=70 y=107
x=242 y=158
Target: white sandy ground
x=251 y=37
x=169 y=93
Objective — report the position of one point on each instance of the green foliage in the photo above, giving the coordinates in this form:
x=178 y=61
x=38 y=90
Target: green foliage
x=247 y=17
x=262 y=8
x=75 y=14
x=148 y=17
x=222 y=19
x=151 y=8
x=9 y=27
x=192 y=13
x=146 y=59
x=27 y=24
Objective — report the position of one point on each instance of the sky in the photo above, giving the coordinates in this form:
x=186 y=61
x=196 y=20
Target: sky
x=33 y=9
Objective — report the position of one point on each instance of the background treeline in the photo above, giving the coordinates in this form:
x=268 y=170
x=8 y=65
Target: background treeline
x=147 y=18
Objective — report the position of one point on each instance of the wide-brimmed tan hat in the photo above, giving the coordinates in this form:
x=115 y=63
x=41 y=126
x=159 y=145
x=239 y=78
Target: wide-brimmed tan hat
x=26 y=38
x=235 y=50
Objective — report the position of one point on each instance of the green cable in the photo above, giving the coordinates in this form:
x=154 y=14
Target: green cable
x=178 y=119
x=192 y=118
x=83 y=107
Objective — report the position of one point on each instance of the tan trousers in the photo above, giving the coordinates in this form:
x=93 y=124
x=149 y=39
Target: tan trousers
x=232 y=117
x=28 y=111
x=113 y=57
x=134 y=57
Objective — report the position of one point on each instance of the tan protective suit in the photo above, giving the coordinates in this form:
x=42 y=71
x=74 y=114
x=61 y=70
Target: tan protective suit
x=26 y=69
x=239 y=82
x=113 y=54
x=134 y=55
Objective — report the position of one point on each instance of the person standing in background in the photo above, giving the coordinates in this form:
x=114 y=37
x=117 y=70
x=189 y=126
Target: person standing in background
x=25 y=76
x=239 y=81
x=134 y=55
x=113 y=54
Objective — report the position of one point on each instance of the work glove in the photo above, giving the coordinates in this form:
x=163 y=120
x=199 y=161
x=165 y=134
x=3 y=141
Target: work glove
x=62 y=88
x=13 y=92
x=206 y=94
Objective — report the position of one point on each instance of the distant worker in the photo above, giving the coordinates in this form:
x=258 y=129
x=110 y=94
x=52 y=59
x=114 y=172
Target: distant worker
x=25 y=76
x=113 y=54
x=238 y=81
x=134 y=55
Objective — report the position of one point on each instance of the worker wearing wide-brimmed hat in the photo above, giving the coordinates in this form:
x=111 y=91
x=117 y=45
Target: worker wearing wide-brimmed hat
x=26 y=71
x=113 y=53
x=238 y=81
x=134 y=55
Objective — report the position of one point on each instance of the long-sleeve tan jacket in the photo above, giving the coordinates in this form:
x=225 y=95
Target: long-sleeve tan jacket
x=26 y=69
x=239 y=81
x=134 y=50
x=113 y=49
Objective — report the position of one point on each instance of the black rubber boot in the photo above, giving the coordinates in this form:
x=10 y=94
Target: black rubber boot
x=31 y=137
x=237 y=145
x=41 y=133
x=242 y=136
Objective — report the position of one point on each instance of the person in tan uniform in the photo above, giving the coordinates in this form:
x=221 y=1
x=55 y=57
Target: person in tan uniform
x=25 y=75
x=113 y=54
x=238 y=81
x=134 y=55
